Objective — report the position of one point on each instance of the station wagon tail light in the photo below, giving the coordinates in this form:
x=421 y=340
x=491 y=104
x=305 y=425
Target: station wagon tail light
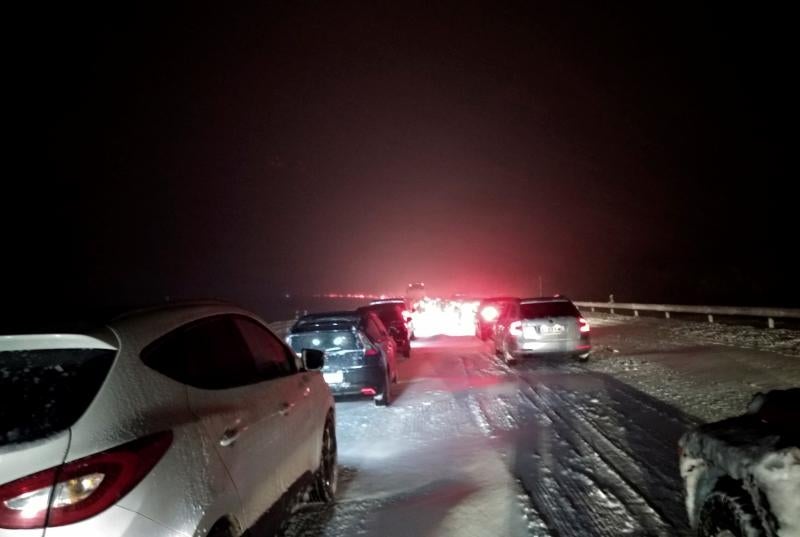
x=79 y=489
x=584 y=325
x=490 y=313
x=515 y=328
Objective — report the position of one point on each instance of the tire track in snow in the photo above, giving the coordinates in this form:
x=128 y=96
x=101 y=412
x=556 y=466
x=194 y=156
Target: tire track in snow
x=628 y=463
x=557 y=503
x=615 y=508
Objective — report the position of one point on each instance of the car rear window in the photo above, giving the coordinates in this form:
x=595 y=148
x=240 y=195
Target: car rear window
x=537 y=310
x=388 y=314
x=332 y=341
x=43 y=392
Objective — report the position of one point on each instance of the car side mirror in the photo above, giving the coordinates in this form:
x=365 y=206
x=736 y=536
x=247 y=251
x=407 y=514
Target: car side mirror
x=313 y=359
x=393 y=330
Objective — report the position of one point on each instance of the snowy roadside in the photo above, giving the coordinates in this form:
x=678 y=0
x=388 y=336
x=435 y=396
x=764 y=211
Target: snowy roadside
x=709 y=371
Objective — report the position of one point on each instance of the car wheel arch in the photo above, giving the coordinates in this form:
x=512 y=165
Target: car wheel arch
x=225 y=526
x=740 y=495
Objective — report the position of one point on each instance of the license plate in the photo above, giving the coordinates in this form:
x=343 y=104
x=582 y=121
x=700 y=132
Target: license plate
x=334 y=377
x=551 y=329
x=529 y=332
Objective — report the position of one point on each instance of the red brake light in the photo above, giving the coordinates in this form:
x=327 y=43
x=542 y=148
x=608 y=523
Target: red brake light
x=79 y=489
x=584 y=324
x=515 y=328
x=490 y=313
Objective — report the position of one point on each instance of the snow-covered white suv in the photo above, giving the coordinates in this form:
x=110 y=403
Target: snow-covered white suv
x=742 y=474
x=187 y=420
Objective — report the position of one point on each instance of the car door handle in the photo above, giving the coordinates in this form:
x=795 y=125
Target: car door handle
x=229 y=437
x=286 y=407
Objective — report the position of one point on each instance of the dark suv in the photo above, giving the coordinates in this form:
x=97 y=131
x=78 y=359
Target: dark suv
x=489 y=310
x=359 y=352
x=391 y=313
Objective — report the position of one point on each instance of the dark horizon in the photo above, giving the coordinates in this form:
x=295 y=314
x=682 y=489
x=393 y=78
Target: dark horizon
x=637 y=150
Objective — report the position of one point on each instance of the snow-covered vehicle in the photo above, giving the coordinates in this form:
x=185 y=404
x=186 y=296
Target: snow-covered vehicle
x=742 y=474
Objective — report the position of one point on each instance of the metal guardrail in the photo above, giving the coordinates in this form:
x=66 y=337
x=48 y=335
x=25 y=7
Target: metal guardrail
x=770 y=313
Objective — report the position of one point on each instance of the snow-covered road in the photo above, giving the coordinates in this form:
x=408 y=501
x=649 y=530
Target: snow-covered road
x=472 y=447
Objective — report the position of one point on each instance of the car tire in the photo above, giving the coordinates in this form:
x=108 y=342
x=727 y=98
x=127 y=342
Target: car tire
x=326 y=477
x=508 y=357
x=407 y=350
x=385 y=397
x=728 y=513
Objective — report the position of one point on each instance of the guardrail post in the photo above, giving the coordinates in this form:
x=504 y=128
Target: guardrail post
x=666 y=315
x=612 y=310
x=592 y=309
x=710 y=318
x=635 y=313
x=771 y=322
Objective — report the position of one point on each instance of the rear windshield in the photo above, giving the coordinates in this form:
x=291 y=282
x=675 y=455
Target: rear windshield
x=388 y=314
x=538 y=310
x=325 y=341
x=45 y=391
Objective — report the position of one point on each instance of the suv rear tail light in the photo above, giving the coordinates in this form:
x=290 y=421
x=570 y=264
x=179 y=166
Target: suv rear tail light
x=369 y=349
x=490 y=313
x=79 y=489
x=584 y=325
x=515 y=328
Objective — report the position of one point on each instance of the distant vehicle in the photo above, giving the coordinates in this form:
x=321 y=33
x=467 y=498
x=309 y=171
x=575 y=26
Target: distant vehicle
x=181 y=420
x=415 y=292
x=397 y=319
x=359 y=352
x=488 y=311
x=742 y=475
x=538 y=326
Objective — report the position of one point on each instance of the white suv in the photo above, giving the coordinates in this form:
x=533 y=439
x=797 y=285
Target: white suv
x=188 y=420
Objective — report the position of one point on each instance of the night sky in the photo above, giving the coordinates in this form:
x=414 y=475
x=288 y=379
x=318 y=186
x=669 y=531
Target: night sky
x=246 y=152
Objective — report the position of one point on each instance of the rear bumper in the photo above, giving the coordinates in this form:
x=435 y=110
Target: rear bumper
x=357 y=378
x=113 y=522
x=523 y=346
